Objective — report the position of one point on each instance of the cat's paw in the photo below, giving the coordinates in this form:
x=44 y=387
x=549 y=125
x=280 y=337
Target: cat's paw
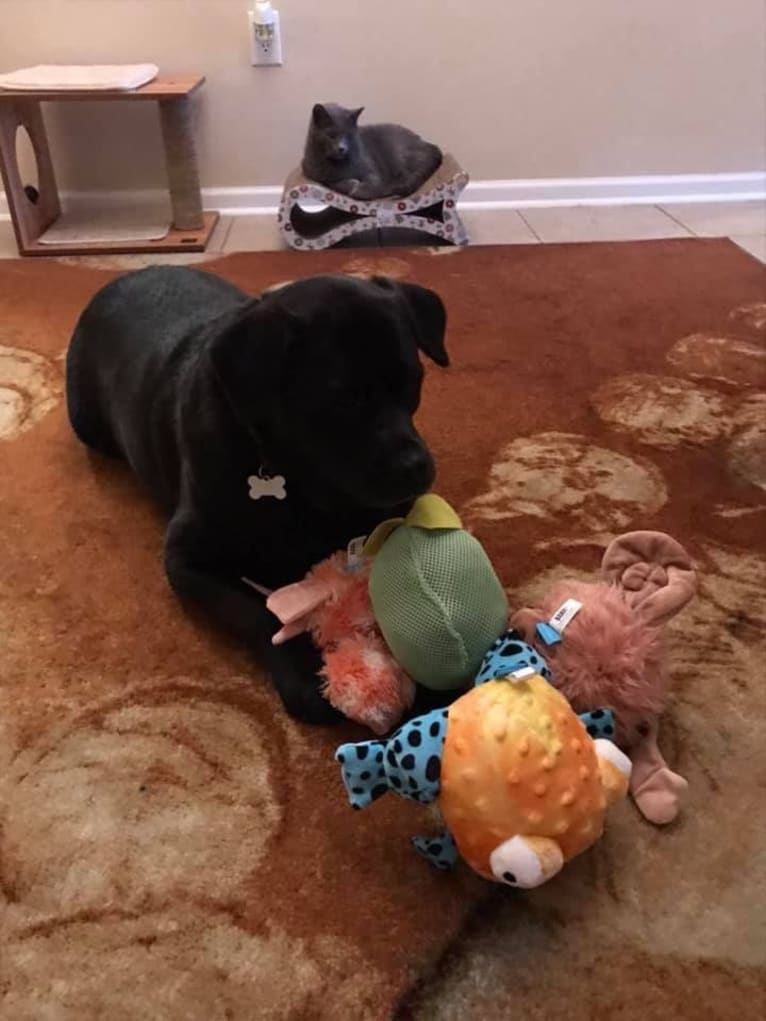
x=351 y=186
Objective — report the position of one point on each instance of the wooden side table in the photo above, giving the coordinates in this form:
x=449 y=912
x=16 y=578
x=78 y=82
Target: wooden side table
x=191 y=227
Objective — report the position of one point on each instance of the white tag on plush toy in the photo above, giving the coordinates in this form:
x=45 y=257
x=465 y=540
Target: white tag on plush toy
x=565 y=614
x=522 y=673
x=354 y=553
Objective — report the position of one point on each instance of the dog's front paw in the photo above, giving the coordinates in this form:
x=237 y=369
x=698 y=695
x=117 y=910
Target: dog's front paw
x=306 y=704
x=295 y=670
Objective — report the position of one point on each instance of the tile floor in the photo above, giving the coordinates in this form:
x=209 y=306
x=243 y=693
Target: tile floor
x=743 y=222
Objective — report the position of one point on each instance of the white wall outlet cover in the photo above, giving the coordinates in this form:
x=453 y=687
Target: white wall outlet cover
x=265 y=37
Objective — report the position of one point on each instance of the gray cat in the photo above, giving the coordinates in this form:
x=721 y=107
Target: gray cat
x=371 y=162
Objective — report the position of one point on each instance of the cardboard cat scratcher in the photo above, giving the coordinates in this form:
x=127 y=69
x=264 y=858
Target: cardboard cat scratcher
x=431 y=209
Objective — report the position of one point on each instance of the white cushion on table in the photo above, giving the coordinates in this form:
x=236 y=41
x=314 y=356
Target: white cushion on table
x=70 y=77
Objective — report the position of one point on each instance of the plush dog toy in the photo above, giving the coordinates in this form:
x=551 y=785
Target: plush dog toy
x=604 y=645
x=420 y=602
x=521 y=784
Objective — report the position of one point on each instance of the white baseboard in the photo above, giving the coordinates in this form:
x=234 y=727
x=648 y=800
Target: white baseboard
x=617 y=191
x=518 y=194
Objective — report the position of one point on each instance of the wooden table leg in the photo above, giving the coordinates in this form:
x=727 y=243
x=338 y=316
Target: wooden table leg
x=30 y=218
x=181 y=161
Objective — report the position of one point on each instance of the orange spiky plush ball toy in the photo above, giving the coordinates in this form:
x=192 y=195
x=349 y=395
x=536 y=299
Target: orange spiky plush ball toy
x=522 y=783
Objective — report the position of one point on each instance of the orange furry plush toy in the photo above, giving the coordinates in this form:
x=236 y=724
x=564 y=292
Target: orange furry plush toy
x=362 y=678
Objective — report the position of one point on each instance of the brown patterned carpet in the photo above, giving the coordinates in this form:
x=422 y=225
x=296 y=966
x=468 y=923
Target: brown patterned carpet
x=172 y=847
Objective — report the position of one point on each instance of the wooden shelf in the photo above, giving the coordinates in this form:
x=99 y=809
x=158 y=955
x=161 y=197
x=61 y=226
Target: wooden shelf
x=160 y=88
x=191 y=228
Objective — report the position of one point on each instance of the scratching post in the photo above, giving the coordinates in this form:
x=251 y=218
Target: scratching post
x=432 y=210
x=181 y=163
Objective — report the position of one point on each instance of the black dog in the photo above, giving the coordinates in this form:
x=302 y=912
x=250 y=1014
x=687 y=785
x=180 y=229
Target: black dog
x=272 y=431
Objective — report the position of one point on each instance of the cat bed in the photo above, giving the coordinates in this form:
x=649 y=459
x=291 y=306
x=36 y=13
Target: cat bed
x=432 y=209
x=75 y=78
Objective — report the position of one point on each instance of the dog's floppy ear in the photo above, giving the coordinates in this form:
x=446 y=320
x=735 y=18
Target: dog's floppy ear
x=430 y=318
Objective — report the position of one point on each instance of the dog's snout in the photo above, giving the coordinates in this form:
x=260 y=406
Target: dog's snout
x=402 y=471
x=414 y=466
x=412 y=457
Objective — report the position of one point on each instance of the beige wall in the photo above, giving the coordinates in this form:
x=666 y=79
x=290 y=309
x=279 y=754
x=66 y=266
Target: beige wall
x=516 y=88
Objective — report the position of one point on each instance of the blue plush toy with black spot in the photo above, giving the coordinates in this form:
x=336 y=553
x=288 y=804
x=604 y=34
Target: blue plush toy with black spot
x=409 y=762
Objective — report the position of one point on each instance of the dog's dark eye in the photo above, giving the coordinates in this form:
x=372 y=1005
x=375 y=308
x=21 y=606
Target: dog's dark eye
x=354 y=399
x=340 y=393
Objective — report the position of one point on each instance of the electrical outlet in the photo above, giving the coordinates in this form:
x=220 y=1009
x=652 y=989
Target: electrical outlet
x=265 y=39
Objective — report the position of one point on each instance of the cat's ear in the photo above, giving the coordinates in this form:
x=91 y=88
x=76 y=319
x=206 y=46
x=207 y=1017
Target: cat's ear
x=320 y=118
x=355 y=114
x=430 y=318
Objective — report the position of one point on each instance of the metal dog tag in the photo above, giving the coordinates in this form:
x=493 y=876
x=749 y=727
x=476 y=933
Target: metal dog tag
x=262 y=486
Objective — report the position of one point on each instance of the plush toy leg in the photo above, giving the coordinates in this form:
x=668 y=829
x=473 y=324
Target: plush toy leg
x=364 y=775
x=508 y=654
x=526 y=862
x=615 y=770
x=599 y=723
x=440 y=850
x=656 y=789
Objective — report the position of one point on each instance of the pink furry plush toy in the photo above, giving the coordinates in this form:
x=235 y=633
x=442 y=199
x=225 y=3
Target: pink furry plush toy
x=603 y=642
x=362 y=679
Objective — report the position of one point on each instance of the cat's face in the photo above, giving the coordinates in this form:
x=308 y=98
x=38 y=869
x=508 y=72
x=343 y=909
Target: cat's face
x=333 y=130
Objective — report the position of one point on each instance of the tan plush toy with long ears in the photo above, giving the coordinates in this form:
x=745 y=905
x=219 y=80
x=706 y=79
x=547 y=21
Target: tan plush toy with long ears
x=609 y=651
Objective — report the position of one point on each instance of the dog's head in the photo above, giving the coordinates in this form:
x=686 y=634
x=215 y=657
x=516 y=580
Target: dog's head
x=325 y=374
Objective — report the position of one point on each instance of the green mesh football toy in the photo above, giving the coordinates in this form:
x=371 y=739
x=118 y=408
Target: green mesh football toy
x=422 y=603
x=435 y=595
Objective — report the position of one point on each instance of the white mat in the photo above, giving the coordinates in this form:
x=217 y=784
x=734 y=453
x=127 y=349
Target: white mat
x=108 y=225
x=65 y=77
